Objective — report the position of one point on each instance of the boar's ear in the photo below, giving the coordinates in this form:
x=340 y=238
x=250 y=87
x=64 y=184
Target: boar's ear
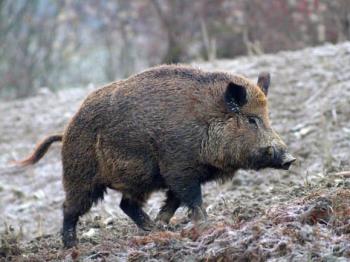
x=235 y=97
x=264 y=82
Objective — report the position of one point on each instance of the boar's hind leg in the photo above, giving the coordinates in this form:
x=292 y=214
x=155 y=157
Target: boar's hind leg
x=169 y=208
x=188 y=190
x=134 y=211
x=77 y=203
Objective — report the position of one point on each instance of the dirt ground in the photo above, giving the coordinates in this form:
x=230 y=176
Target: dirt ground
x=297 y=215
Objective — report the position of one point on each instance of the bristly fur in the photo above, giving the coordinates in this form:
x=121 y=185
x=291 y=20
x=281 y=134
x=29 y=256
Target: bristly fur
x=171 y=127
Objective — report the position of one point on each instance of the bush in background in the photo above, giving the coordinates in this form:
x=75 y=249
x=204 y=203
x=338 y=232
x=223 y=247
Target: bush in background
x=47 y=43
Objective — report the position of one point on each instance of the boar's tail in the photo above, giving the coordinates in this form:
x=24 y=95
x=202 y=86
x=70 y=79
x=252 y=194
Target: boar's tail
x=40 y=150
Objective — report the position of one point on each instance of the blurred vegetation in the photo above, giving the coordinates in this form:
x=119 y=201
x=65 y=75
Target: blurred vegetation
x=55 y=43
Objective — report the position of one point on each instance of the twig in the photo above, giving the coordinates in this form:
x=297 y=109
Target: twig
x=343 y=173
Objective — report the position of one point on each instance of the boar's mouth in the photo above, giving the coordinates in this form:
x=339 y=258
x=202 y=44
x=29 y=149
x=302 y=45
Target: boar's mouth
x=277 y=160
x=287 y=160
x=282 y=161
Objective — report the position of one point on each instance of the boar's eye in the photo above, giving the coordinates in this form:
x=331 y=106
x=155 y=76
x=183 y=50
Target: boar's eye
x=253 y=121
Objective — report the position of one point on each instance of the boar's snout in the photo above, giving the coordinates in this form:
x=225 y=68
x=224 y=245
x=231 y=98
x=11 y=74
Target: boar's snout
x=274 y=157
x=281 y=158
x=287 y=160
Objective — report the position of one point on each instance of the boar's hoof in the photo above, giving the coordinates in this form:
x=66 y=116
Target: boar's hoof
x=148 y=225
x=199 y=214
x=160 y=223
x=164 y=217
x=69 y=239
x=161 y=226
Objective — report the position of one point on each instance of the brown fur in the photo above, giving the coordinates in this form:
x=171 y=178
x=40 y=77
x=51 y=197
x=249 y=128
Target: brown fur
x=166 y=128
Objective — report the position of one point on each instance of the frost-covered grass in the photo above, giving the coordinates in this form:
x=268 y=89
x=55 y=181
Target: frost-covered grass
x=299 y=215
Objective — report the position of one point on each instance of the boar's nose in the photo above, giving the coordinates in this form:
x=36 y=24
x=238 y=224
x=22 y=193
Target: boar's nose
x=287 y=160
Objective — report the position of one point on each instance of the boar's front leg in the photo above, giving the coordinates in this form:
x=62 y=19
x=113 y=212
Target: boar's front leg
x=133 y=209
x=169 y=208
x=186 y=186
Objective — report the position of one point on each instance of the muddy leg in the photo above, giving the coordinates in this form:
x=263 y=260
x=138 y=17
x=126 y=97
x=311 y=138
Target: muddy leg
x=134 y=211
x=198 y=214
x=195 y=203
x=168 y=209
x=73 y=208
x=78 y=202
x=188 y=190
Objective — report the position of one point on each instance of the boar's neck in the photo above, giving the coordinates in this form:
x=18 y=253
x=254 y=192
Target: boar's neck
x=212 y=173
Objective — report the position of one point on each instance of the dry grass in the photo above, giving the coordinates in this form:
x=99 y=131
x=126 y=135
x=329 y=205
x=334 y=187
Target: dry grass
x=300 y=215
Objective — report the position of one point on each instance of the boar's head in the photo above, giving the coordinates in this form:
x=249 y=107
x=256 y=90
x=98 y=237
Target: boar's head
x=244 y=138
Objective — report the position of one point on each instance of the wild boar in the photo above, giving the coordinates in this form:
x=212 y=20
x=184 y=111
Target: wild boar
x=168 y=128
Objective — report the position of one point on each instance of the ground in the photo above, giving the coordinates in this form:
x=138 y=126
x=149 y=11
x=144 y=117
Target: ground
x=298 y=215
